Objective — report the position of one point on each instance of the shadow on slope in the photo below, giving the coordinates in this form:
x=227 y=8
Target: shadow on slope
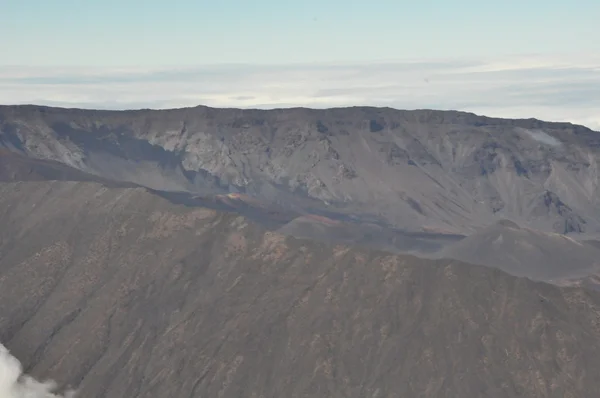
x=366 y=234
x=288 y=217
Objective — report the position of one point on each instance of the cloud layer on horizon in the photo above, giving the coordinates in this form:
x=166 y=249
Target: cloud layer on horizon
x=554 y=89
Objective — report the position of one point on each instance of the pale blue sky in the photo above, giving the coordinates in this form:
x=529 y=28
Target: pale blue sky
x=508 y=58
x=196 y=32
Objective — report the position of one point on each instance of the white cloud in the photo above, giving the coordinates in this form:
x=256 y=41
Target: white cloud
x=15 y=384
x=548 y=88
x=544 y=138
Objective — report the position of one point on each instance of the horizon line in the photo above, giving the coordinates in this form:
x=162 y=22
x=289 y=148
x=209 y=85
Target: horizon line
x=33 y=105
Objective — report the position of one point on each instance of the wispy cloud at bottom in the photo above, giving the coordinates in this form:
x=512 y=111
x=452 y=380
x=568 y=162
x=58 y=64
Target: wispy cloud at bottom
x=554 y=89
x=15 y=384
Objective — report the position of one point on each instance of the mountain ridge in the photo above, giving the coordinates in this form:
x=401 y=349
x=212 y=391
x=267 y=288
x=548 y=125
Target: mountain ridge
x=125 y=294
x=402 y=181
x=412 y=169
x=508 y=120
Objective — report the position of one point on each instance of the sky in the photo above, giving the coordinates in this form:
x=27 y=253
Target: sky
x=504 y=58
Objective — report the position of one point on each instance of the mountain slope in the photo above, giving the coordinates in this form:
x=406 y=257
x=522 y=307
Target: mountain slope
x=529 y=253
x=415 y=170
x=123 y=294
x=18 y=167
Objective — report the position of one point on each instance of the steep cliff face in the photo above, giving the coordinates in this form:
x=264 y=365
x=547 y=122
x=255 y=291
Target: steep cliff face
x=418 y=170
x=120 y=293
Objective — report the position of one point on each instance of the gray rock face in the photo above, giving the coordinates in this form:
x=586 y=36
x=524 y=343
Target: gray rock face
x=449 y=172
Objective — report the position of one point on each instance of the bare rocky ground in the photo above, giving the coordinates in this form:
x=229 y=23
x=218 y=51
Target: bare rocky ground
x=122 y=293
x=157 y=253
